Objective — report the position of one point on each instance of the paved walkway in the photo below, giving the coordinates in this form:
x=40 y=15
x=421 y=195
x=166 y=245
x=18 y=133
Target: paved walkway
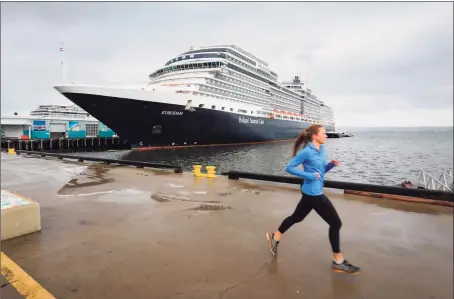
x=121 y=232
x=7 y=291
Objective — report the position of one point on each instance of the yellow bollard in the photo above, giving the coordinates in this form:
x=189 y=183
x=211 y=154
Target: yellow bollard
x=211 y=172
x=11 y=151
x=197 y=170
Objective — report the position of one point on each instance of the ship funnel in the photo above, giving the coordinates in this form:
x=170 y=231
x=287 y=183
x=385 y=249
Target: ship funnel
x=296 y=80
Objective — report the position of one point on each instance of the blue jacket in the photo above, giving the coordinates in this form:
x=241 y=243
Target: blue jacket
x=313 y=161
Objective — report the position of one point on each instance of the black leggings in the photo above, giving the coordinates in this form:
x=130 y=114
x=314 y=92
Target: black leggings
x=323 y=206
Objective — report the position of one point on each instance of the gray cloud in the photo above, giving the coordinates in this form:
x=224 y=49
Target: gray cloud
x=368 y=58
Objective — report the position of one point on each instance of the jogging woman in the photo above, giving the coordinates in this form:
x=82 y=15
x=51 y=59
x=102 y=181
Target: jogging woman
x=312 y=157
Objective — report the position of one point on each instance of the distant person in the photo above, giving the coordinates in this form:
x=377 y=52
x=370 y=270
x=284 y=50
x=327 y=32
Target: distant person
x=312 y=157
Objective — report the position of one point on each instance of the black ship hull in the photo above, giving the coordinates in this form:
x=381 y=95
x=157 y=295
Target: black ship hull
x=151 y=124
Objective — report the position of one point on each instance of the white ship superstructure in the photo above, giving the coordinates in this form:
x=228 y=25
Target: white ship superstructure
x=232 y=74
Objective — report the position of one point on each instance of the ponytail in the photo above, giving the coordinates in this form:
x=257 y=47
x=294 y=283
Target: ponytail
x=305 y=137
x=301 y=141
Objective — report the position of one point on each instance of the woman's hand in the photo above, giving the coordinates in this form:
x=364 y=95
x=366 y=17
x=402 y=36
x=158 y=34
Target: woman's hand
x=335 y=162
x=317 y=175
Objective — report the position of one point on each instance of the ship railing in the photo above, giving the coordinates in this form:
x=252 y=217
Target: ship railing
x=444 y=182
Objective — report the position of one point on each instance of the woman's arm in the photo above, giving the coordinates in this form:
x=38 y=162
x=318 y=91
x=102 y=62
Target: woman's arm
x=329 y=166
x=292 y=166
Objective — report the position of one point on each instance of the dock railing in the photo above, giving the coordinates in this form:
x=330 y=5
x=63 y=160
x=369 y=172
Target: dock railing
x=441 y=195
x=444 y=181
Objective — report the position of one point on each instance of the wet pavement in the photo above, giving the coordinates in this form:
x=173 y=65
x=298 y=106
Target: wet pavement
x=123 y=232
x=7 y=291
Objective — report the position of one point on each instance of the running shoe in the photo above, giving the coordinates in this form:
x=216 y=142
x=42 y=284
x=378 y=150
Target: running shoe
x=345 y=267
x=272 y=242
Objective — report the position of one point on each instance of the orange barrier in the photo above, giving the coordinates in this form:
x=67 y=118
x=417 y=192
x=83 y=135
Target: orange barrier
x=401 y=198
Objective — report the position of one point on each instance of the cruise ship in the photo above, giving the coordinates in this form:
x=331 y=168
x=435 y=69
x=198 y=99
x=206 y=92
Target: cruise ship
x=205 y=96
x=60 y=111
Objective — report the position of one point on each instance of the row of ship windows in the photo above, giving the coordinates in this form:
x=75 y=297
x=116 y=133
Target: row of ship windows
x=238 y=82
x=311 y=112
x=233 y=95
x=251 y=73
x=226 y=50
x=262 y=73
x=290 y=102
x=205 y=55
x=241 y=63
x=283 y=104
x=182 y=67
x=307 y=113
x=241 y=56
x=285 y=100
x=248 y=79
x=283 y=107
x=288 y=91
x=285 y=92
x=252 y=113
x=235 y=88
x=294 y=97
x=311 y=106
x=225 y=97
x=232 y=110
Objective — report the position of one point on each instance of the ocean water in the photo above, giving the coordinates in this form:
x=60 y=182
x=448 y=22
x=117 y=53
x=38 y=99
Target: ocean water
x=378 y=156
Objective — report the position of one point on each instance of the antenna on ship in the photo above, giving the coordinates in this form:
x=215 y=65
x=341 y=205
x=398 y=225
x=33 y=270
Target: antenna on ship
x=62 y=64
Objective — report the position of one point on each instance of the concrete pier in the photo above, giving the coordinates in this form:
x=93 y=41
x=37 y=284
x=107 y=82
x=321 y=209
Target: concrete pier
x=123 y=232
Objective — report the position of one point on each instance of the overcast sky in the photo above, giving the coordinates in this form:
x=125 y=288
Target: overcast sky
x=376 y=64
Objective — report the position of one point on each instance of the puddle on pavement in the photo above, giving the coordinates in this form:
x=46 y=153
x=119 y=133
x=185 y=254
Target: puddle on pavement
x=122 y=196
x=159 y=172
x=125 y=196
x=160 y=197
x=163 y=197
x=224 y=193
x=151 y=172
x=211 y=207
x=265 y=186
x=93 y=175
